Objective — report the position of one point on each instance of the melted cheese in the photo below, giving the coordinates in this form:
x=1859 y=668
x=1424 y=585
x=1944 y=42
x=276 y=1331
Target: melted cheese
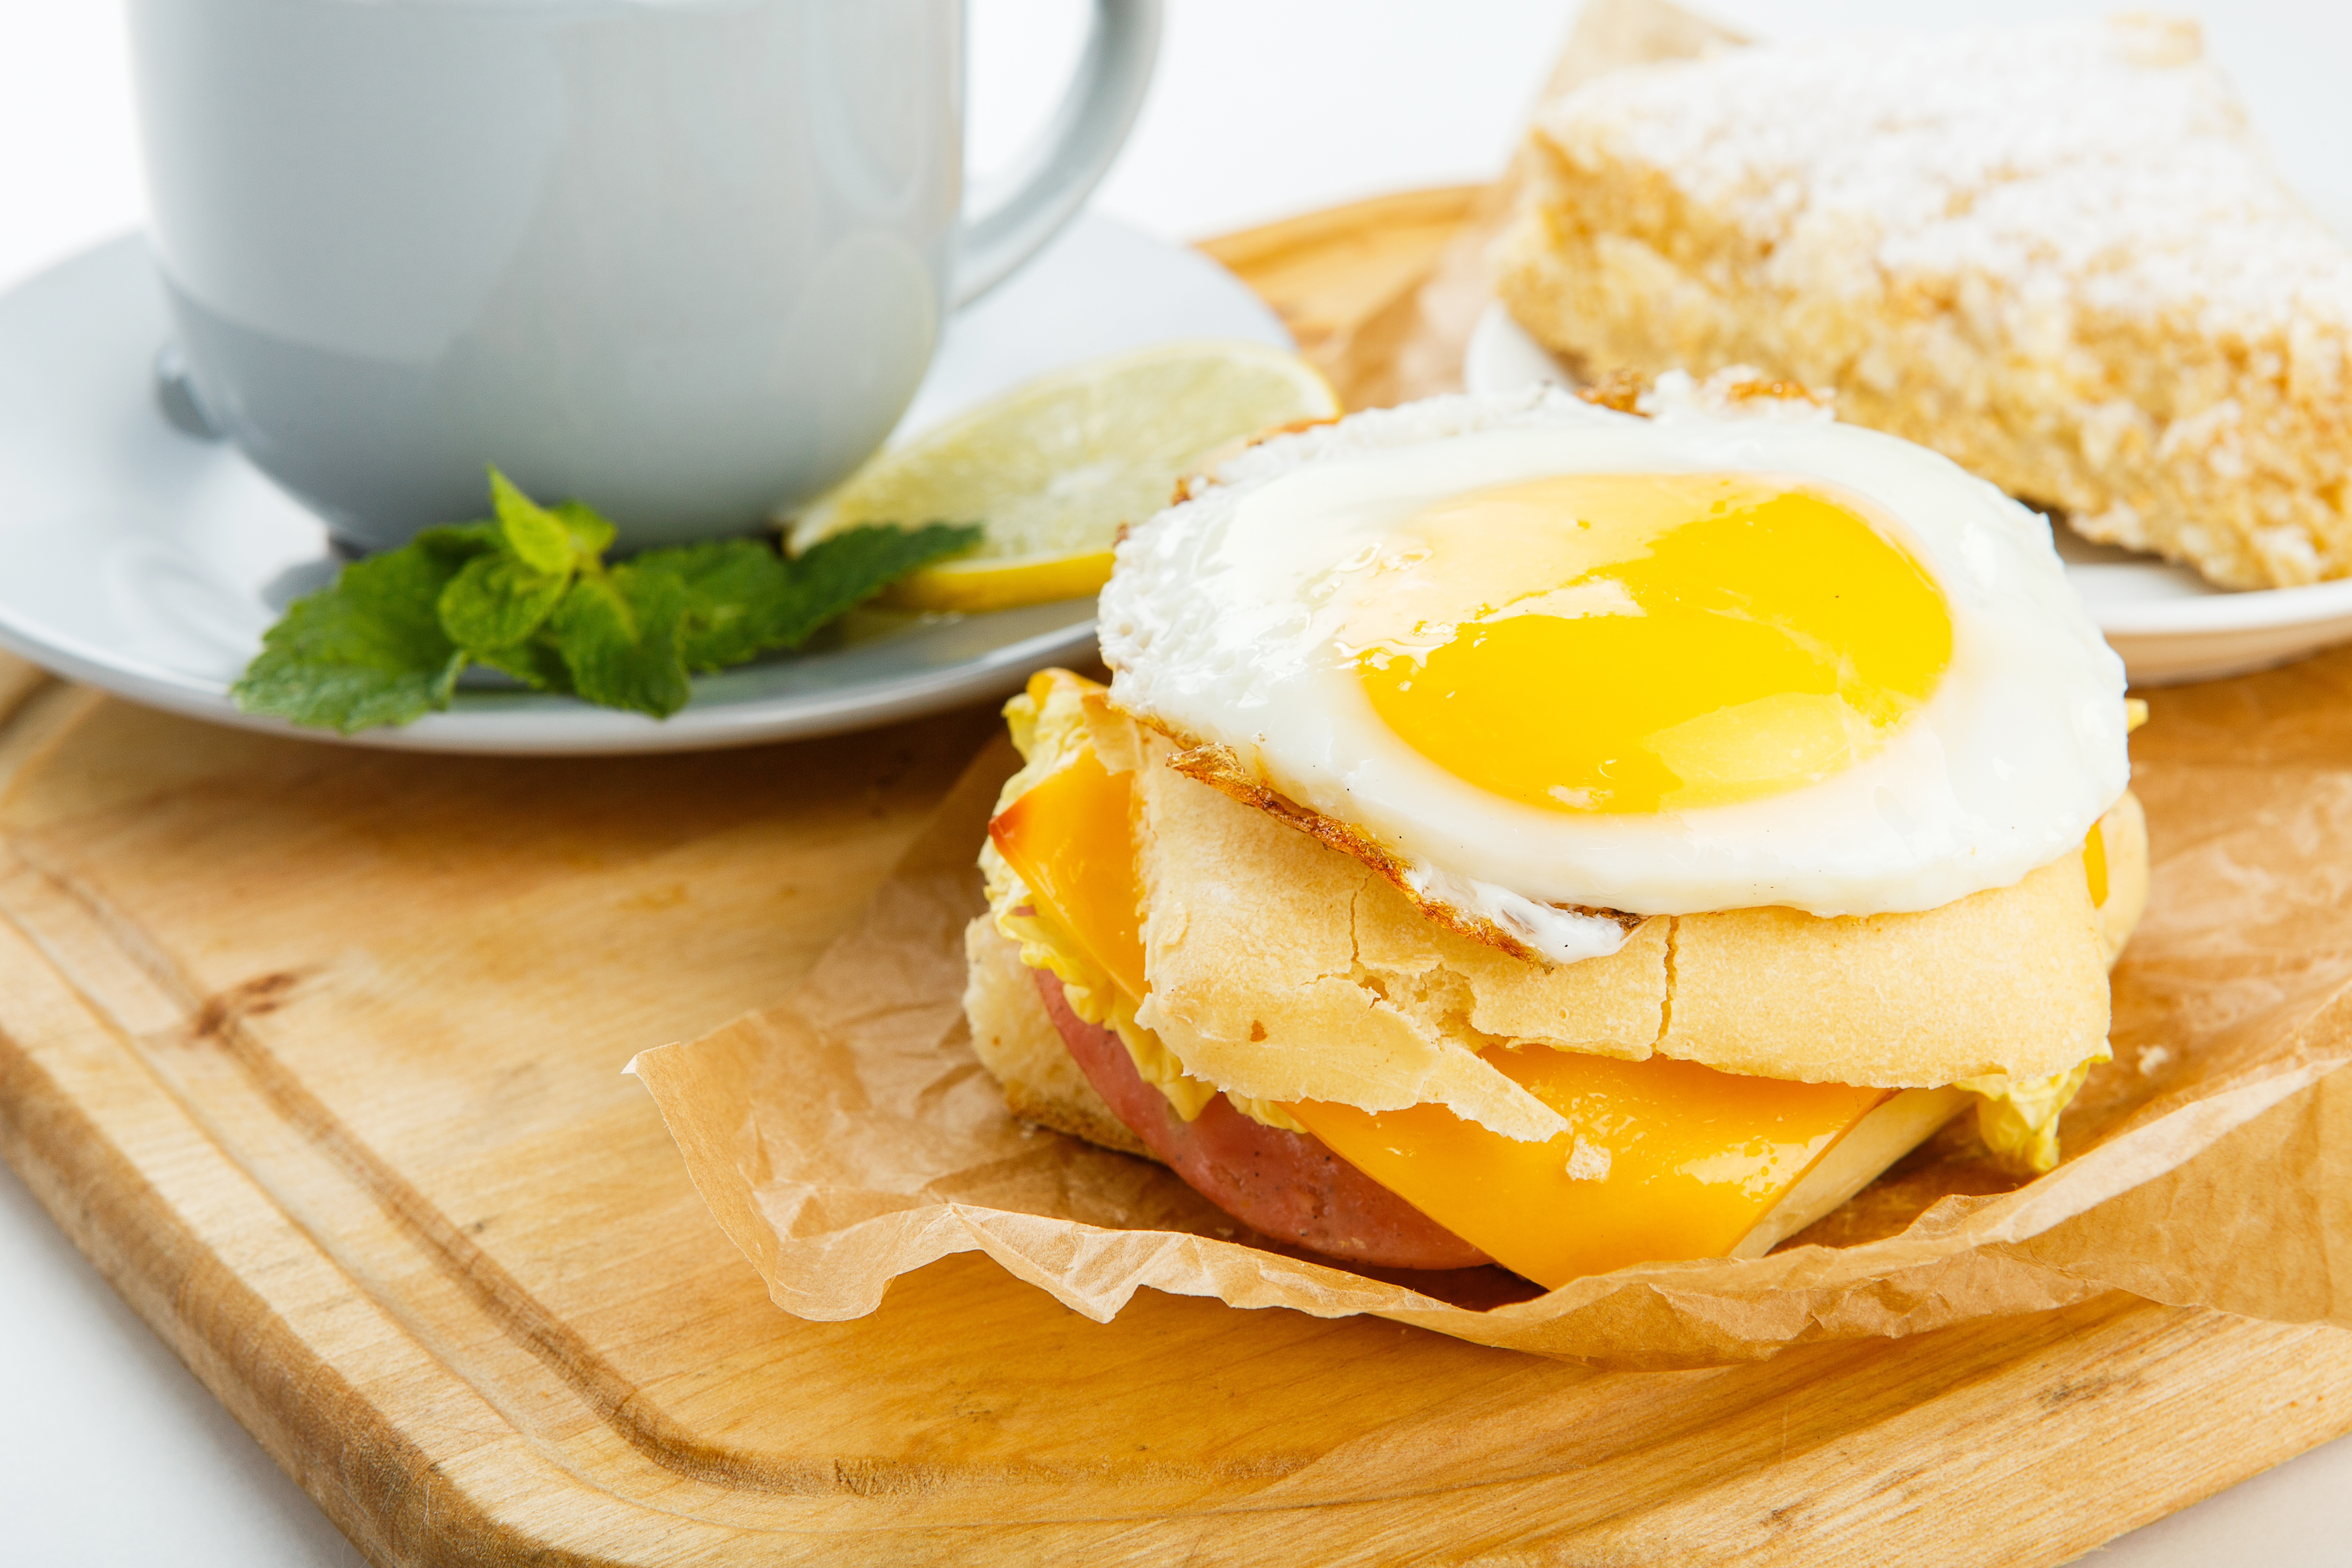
x=2095 y=862
x=1663 y=1160
x=1067 y=835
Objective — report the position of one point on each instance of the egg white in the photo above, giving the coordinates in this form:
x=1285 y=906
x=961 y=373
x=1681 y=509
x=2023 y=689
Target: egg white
x=1213 y=633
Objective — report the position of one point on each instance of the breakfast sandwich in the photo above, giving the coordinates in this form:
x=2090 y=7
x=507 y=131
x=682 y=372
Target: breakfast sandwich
x=1521 y=830
x=2058 y=254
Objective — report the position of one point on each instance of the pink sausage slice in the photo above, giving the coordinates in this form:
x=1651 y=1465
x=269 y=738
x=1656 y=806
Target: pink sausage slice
x=1285 y=1185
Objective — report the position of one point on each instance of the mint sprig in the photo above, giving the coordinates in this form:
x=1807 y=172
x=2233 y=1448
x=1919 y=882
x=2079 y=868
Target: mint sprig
x=528 y=591
x=369 y=651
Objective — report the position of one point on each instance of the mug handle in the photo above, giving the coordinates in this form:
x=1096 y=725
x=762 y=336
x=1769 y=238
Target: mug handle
x=1055 y=174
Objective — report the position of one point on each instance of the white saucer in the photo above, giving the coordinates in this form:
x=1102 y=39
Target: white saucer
x=149 y=562
x=2169 y=624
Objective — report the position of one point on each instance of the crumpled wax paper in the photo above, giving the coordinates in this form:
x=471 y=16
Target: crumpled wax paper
x=848 y=1135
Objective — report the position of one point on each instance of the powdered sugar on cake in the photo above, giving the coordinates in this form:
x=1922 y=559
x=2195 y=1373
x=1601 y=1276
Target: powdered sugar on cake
x=2106 y=163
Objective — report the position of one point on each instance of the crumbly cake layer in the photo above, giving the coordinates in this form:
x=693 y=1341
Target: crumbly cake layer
x=2056 y=254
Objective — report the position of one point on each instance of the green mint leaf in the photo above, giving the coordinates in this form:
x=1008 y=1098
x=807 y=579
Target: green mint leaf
x=537 y=663
x=732 y=585
x=497 y=601
x=743 y=598
x=532 y=534
x=458 y=542
x=844 y=570
x=618 y=634
x=366 y=649
x=592 y=531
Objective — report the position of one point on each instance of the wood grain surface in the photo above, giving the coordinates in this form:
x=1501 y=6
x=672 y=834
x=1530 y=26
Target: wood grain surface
x=316 y=1052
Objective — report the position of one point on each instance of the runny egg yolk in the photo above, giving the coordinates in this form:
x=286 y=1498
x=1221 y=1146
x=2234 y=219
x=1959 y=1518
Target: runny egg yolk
x=1642 y=642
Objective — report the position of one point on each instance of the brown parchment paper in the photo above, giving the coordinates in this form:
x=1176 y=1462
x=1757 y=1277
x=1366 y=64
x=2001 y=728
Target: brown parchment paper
x=848 y=1135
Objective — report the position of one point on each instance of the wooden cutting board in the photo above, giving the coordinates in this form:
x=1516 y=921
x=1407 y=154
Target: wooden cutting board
x=316 y=1053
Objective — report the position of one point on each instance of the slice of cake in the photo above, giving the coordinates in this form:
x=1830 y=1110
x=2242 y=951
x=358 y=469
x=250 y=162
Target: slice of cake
x=2057 y=255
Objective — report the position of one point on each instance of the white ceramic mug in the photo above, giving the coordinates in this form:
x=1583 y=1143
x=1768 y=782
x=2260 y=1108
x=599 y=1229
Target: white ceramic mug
x=686 y=260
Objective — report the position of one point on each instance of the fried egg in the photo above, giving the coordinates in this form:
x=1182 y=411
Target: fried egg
x=1546 y=661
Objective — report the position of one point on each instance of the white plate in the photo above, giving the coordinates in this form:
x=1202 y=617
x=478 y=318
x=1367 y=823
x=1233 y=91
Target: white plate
x=149 y=562
x=2169 y=624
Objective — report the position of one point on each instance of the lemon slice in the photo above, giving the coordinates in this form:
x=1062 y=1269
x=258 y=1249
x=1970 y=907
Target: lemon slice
x=1053 y=468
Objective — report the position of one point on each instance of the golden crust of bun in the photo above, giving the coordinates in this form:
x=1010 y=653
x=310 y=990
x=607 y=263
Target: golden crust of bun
x=2012 y=980
x=1285 y=969
x=1017 y=1042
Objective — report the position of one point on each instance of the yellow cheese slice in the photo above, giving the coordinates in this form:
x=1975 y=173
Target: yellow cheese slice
x=1069 y=840
x=1663 y=1160
x=2094 y=864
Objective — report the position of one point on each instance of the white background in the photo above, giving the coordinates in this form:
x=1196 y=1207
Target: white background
x=1262 y=108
